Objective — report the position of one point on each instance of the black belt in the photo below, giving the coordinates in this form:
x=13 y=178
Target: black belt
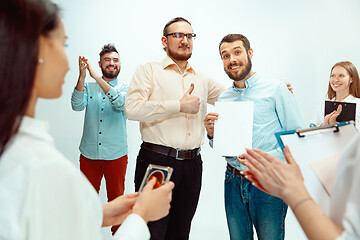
x=234 y=170
x=172 y=152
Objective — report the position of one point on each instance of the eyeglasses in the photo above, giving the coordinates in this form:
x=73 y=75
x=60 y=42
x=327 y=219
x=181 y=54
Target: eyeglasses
x=189 y=36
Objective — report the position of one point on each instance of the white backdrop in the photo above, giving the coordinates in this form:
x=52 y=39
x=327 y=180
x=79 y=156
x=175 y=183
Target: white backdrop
x=297 y=41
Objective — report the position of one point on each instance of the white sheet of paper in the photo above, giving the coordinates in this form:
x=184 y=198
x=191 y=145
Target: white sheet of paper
x=233 y=130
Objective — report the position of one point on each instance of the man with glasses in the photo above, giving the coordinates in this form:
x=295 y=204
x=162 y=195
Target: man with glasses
x=169 y=100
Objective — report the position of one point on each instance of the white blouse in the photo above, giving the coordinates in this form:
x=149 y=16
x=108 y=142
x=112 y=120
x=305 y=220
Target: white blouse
x=345 y=200
x=318 y=119
x=43 y=196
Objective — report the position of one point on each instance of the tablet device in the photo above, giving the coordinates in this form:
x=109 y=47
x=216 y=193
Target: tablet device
x=348 y=110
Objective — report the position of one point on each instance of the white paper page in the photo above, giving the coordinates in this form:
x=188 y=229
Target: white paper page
x=233 y=130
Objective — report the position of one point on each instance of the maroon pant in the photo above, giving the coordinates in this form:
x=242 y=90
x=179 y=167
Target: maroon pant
x=114 y=172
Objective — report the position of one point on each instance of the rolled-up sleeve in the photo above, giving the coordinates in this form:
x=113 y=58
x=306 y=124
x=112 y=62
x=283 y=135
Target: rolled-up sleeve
x=117 y=97
x=79 y=99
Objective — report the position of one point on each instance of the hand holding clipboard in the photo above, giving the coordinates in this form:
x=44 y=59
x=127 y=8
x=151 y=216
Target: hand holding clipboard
x=339 y=112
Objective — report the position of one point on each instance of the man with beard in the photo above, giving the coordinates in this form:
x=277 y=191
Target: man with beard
x=103 y=145
x=169 y=100
x=275 y=110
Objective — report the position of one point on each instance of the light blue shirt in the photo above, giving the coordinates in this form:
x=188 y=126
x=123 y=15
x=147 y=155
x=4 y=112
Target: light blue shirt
x=275 y=110
x=104 y=133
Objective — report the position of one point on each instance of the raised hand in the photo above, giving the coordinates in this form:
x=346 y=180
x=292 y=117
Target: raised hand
x=273 y=176
x=189 y=103
x=331 y=117
x=82 y=66
x=209 y=121
x=92 y=71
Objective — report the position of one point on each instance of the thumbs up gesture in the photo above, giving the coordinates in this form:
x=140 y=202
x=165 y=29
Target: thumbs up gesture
x=189 y=103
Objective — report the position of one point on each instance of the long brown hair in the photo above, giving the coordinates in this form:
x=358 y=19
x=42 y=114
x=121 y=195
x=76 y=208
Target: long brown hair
x=22 y=22
x=353 y=73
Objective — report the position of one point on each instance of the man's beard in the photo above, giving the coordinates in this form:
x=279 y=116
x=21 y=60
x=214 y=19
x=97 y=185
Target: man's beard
x=243 y=73
x=178 y=57
x=112 y=74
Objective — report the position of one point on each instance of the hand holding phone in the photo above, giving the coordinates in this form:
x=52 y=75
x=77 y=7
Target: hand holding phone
x=162 y=175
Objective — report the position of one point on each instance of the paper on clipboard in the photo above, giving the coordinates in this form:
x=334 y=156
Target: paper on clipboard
x=325 y=170
x=319 y=146
x=233 y=129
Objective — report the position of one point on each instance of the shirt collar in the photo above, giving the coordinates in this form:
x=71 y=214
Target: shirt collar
x=248 y=82
x=168 y=62
x=349 y=98
x=113 y=83
x=35 y=128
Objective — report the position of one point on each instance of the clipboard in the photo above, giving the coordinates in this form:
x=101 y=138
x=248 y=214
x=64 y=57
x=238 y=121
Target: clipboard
x=347 y=113
x=310 y=146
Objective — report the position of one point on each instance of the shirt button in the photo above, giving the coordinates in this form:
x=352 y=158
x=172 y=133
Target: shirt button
x=99 y=143
x=102 y=109
x=90 y=96
x=100 y=120
x=103 y=97
x=99 y=132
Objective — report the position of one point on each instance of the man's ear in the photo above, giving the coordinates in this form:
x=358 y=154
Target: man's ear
x=100 y=64
x=250 y=53
x=164 y=41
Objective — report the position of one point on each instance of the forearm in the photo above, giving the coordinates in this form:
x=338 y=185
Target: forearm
x=80 y=84
x=313 y=221
x=103 y=84
x=142 y=110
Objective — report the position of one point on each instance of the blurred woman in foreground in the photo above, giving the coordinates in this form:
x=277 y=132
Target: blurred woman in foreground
x=42 y=195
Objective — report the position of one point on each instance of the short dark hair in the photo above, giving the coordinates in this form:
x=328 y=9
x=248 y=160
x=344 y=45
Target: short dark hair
x=22 y=22
x=108 y=48
x=174 y=20
x=236 y=37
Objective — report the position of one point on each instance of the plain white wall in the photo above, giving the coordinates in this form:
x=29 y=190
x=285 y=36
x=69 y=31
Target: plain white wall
x=297 y=41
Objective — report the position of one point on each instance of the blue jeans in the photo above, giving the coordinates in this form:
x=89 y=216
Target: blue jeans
x=246 y=205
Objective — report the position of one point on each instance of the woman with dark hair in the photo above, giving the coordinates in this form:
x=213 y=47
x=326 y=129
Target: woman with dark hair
x=42 y=195
x=344 y=86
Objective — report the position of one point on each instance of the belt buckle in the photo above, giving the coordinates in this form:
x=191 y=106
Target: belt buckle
x=177 y=154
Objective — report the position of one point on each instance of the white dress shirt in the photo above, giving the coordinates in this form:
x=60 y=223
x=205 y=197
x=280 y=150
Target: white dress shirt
x=44 y=197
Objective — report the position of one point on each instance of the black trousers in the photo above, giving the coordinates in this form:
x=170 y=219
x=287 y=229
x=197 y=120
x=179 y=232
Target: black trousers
x=187 y=178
